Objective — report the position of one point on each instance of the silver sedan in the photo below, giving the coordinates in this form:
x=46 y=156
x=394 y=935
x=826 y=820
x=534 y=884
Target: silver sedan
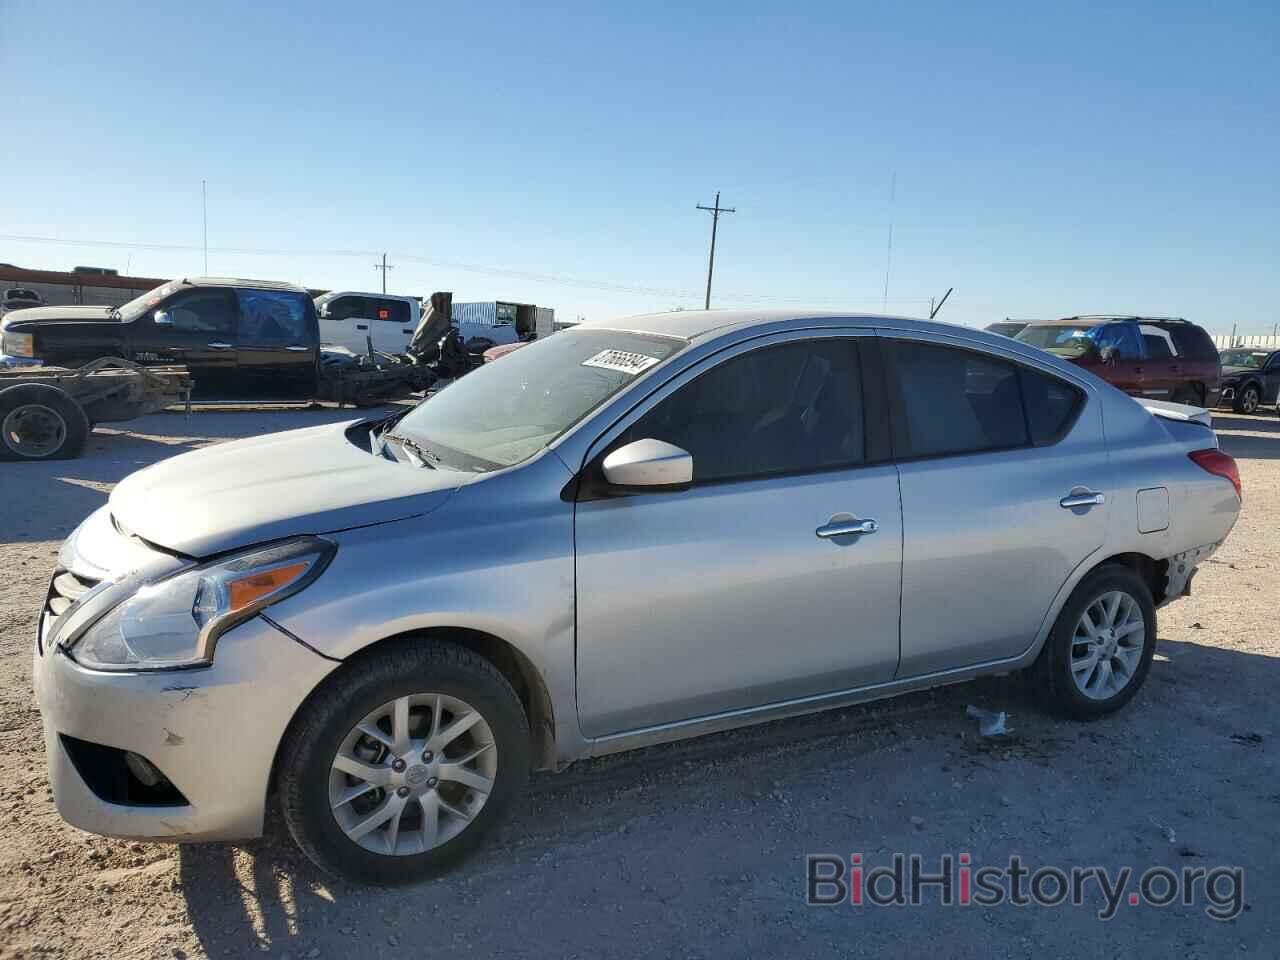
x=623 y=534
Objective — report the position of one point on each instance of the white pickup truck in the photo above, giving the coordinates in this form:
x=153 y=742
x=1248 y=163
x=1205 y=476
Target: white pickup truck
x=349 y=319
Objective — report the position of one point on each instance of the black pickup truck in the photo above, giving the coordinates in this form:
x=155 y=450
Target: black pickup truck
x=239 y=339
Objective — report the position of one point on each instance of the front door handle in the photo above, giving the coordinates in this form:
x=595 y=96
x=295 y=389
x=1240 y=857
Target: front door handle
x=846 y=528
x=294 y=348
x=219 y=345
x=1085 y=498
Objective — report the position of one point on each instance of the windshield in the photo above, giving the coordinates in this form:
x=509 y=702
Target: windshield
x=140 y=305
x=503 y=413
x=1066 y=340
x=1242 y=358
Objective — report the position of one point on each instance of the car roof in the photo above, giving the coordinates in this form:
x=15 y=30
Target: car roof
x=1092 y=319
x=240 y=282
x=365 y=293
x=694 y=324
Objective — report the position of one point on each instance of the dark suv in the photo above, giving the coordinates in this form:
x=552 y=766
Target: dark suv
x=1164 y=358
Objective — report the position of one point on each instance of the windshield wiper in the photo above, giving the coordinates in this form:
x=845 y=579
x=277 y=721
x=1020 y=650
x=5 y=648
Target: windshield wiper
x=423 y=457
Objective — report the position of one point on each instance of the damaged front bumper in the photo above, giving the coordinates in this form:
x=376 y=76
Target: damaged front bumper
x=173 y=755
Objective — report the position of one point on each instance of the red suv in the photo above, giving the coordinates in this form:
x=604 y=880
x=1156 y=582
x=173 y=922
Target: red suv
x=1163 y=358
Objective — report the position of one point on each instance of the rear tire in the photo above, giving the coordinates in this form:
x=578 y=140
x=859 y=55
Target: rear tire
x=40 y=422
x=1093 y=668
x=445 y=808
x=1191 y=395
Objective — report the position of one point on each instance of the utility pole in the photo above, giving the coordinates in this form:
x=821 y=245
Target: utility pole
x=715 y=222
x=384 y=268
x=204 y=218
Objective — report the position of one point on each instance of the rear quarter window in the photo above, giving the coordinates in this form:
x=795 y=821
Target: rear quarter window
x=1192 y=341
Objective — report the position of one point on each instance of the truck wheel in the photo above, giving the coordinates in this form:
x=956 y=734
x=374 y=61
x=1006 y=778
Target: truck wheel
x=1248 y=399
x=1190 y=395
x=1100 y=649
x=402 y=761
x=40 y=422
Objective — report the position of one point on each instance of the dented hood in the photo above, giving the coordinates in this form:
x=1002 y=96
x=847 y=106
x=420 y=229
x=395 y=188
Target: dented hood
x=313 y=480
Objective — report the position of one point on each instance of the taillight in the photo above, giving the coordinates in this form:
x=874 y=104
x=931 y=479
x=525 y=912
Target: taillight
x=1220 y=465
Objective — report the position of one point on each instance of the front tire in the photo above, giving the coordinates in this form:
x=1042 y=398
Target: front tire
x=402 y=761
x=40 y=422
x=1099 y=651
x=1248 y=400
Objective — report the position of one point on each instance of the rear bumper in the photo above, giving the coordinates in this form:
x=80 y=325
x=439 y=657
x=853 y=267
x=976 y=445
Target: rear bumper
x=1182 y=568
x=212 y=733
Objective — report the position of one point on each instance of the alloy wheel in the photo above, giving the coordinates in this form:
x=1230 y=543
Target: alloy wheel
x=413 y=774
x=1106 y=648
x=1249 y=400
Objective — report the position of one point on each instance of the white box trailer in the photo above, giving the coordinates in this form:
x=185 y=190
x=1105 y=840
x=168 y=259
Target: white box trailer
x=503 y=321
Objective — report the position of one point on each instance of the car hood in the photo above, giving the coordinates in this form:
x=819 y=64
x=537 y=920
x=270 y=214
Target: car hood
x=48 y=314
x=313 y=480
x=1238 y=371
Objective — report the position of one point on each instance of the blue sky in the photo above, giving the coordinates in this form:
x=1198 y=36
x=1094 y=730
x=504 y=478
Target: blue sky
x=1050 y=158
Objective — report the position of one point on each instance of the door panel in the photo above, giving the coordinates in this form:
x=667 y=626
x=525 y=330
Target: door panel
x=723 y=596
x=201 y=333
x=277 y=346
x=987 y=544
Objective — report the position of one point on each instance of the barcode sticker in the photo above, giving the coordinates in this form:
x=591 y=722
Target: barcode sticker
x=621 y=361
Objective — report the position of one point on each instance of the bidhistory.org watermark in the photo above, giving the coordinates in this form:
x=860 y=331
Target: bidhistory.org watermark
x=954 y=880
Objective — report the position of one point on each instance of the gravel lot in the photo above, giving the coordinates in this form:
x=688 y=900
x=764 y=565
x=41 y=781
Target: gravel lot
x=697 y=850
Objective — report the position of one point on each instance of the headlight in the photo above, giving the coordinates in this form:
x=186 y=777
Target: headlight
x=176 y=622
x=18 y=345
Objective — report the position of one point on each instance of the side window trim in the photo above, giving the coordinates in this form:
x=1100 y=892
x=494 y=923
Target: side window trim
x=897 y=419
x=873 y=409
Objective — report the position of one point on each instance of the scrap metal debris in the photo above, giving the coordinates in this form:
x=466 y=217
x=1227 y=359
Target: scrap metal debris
x=989 y=724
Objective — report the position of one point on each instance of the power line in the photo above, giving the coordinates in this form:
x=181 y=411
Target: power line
x=481 y=269
x=715 y=222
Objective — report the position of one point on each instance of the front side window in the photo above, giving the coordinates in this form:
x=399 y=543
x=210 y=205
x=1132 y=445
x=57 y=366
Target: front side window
x=791 y=408
x=272 y=315
x=347 y=308
x=202 y=311
x=503 y=413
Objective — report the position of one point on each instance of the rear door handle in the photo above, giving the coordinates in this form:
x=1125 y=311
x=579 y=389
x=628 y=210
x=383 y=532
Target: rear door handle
x=1087 y=498
x=294 y=348
x=846 y=528
x=219 y=345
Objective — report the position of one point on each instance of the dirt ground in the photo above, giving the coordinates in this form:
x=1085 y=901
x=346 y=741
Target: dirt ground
x=698 y=849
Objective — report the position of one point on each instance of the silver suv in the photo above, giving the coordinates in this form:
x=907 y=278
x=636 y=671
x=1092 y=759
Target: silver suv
x=621 y=535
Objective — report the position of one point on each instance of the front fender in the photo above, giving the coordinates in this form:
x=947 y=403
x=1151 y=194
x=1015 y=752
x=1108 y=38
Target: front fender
x=497 y=558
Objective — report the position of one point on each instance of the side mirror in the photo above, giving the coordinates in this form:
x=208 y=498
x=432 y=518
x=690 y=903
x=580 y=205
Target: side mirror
x=162 y=318
x=647 y=466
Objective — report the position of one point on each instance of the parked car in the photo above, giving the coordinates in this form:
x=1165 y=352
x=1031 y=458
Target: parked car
x=1159 y=357
x=1007 y=328
x=240 y=339
x=19 y=298
x=1250 y=378
x=624 y=534
x=349 y=319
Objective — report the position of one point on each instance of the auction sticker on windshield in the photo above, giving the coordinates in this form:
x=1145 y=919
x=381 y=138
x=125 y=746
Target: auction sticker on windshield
x=622 y=361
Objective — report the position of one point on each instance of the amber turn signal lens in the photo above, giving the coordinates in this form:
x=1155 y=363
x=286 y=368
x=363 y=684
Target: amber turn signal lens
x=260 y=583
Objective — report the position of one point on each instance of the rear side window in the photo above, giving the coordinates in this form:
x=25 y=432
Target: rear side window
x=952 y=401
x=1192 y=342
x=790 y=408
x=393 y=311
x=273 y=315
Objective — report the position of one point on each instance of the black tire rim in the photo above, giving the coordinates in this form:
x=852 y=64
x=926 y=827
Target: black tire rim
x=1249 y=400
x=34 y=431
